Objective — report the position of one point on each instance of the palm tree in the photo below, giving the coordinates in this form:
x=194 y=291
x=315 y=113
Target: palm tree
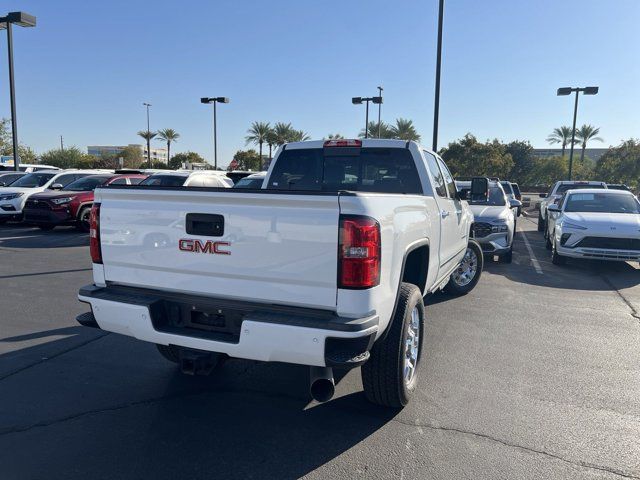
x=334 y=136
x=168 y=135
x=271 y=140
x=148 y=136
x=561 y=135
x=258 y=134
x=299 y=136
x=584 y=134
x=405 y=130
x=282 y=133
x=385 y=130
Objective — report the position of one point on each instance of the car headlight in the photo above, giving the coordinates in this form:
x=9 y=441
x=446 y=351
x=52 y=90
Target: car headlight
x=499 y=228
x=572 y=225
x=11 y=196
x=60 y=201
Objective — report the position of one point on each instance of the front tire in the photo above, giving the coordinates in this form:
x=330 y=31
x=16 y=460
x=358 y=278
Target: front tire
x=467 y=274
x=556 y=258
x=390 y=375
x=83 y=219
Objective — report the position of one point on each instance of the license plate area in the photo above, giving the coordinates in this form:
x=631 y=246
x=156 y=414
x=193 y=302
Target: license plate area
x=206 y=321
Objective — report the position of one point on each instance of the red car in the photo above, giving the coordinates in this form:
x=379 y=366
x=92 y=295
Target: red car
x=71 y=205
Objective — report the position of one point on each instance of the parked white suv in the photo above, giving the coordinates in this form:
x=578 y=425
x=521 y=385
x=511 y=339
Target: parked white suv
x=188 y=178
x=558 y=189
x=13 y=198
x=325 y=266
x=595 y=224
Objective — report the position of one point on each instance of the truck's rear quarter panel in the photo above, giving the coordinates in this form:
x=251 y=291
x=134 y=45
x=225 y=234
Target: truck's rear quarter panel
x=283 y=248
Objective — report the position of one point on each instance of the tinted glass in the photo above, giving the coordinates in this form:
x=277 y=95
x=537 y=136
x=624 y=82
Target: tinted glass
x=86 y=184
x=135 y=180
x=516 y=188
x=254 y=183
x=602 y=203
x=119 y=181
x=496 y=198
x=451 y=185
x=164 y=180
x=33 y=180
x=438 y=179
x=507 y=188
x=65 y=180
x=383 y=170
x=9 y=178
x=564 y=188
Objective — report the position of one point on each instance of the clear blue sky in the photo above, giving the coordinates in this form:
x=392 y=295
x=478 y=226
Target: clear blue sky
x=85 y=70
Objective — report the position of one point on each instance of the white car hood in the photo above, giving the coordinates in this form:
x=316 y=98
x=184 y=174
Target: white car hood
x=629 y=222
x=488 y=213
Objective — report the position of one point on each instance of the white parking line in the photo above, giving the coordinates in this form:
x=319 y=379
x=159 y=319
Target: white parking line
x=534 y=260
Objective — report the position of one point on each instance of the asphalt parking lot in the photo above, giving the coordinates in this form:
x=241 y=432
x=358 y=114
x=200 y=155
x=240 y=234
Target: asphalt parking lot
x=535 y=374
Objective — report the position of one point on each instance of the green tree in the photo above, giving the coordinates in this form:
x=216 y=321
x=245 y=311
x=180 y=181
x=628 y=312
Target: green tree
x=523 y=158
x=271 y=141
x=405 y=130
x=186 y=157
x=468 y=157
x=246 y=160
x=70 y=157
x=561 y=135
x=282 y=133
x=334 y=136
x=169 y=136
x=148 y=136
x=621 y=164
x=257 y=134
x=372 y=127
x=299 y=136
x=584 y=134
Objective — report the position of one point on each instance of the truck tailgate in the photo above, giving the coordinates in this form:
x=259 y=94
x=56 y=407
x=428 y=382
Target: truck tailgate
x=276 y=247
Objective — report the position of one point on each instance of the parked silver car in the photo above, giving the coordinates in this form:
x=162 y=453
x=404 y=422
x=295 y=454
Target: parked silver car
x=494 y=223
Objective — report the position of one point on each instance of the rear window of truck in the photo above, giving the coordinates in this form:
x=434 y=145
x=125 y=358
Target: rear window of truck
x=382 y=170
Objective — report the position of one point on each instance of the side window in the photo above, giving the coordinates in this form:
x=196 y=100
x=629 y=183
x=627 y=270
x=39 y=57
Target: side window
x=448 y=179
x=562 y=200
x=438 y=179
x=119 y=181
x=65 y=180
x=135 y=180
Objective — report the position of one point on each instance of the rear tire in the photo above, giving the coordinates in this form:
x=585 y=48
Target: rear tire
x=507 y=257
x=540 y=222
x=390 y=375
x=462 y=286
x=547 y=243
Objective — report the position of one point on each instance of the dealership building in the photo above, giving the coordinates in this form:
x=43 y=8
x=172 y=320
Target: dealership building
x=157 y=154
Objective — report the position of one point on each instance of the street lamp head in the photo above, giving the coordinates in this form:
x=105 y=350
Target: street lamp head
x=222 y=99
x=564 y=91
x=590 y=90
x=18 y=18
x=376 y=100
x=205 y=100
x=356 y=100
x=146 y=104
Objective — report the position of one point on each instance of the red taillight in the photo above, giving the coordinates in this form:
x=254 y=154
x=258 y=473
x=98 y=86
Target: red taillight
x=343 y=143
x=359 y=252
x=94 y=234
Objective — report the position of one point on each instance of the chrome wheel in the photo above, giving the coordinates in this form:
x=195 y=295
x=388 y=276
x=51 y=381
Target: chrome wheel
x=466 y=271
x=412 y=347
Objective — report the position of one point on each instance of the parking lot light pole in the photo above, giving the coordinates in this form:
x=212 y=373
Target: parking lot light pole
x=436 y=102
x=564 y=91
x=215 y=100
x=380 y=111
x=24 y=20
x=359 y=101
x=148 y=135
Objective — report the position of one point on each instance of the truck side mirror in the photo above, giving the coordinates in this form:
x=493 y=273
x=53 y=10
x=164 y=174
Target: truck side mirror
x=513 y=203
x=479 y=189
x=553 y=208
x=56 y=186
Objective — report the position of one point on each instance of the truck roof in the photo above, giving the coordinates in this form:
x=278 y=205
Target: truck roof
x=366 y=143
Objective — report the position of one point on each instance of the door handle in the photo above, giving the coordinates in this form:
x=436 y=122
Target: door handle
x=444 y=214
x=210 y=225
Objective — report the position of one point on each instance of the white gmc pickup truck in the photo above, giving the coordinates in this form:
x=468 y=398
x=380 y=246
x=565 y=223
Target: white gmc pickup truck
x=326 y=265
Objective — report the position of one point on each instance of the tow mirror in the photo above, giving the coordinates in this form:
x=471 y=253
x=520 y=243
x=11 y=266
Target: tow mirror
x=513 y=203
x=56 y=186
x=479 y=189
